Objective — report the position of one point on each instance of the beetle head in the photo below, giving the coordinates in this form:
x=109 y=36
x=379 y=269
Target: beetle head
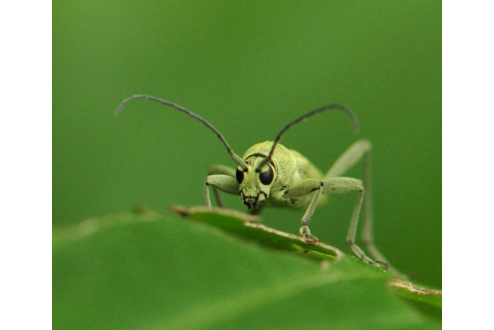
x=254 y=187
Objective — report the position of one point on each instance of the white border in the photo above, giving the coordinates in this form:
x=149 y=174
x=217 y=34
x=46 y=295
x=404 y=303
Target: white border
x=468 y=183
x=26 y=165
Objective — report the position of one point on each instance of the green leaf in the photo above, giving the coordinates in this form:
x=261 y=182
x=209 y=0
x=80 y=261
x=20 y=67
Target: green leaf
x=145 y=271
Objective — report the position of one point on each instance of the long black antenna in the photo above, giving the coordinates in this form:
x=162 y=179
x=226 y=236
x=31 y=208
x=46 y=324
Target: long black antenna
x=346 y=110
x=237 y=159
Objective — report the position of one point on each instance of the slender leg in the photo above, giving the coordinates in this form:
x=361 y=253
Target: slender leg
x=217 y=196
x=306 y=187
x=207 y=198
x=220 y=169
x=342 y=185
x=368 y=230
x=330 y=185
x=304 y=230
x=367 y=237
x=349 y=158
x=362 y=149
x=358 y=150
x=222 y=182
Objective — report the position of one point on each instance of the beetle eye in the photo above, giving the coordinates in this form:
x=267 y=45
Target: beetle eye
x=240 y=176
x=267 y=177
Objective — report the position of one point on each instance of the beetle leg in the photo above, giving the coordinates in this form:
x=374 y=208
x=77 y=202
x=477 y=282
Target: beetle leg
x=223 y=182
x=220 y=169
x=306 y=187
x=362 y=150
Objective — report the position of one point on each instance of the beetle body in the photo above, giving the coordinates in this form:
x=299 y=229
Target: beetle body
x=270 y=174
x=289 y=169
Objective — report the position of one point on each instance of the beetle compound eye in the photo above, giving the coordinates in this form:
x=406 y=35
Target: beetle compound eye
x=267 y=177
x=240 y=176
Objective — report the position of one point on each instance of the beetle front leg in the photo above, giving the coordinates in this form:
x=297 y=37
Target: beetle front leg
x=223 y=182
x=220 y=169
x=306 y=187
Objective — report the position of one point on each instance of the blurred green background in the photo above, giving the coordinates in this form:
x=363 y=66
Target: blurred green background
x=249 y=68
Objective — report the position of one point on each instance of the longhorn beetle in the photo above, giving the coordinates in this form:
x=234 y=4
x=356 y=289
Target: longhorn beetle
x=270 y=174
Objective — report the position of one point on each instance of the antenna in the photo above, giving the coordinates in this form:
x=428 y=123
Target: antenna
x=237 y=159
x=346 y=110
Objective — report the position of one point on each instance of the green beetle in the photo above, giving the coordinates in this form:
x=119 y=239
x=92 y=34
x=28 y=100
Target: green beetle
x=271 y=174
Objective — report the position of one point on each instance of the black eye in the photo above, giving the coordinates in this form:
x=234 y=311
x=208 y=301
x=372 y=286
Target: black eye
x=267 y=177
x=240 y=176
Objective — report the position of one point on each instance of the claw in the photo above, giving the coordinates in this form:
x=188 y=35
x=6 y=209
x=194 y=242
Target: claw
x=306 y=235
x=383 y=264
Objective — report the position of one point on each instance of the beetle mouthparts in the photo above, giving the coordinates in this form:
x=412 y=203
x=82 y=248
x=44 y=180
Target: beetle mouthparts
x=252 y=202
